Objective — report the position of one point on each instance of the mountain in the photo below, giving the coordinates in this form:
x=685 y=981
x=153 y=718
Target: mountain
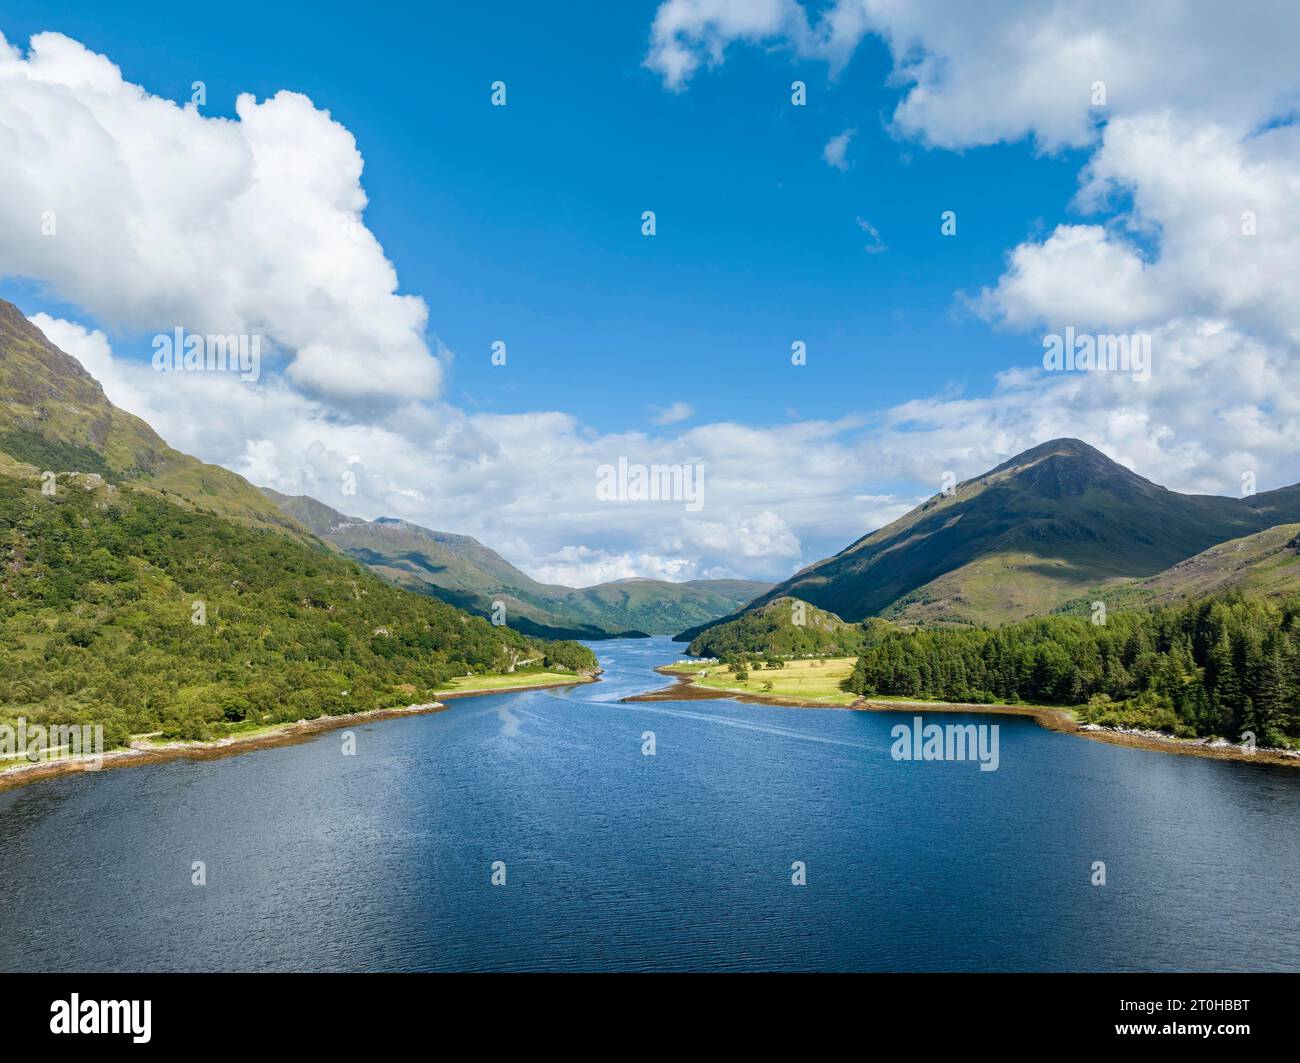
x=121 y=608
x=461 y=570
x=148 y=592
x=1266 y=564
x=54 y=416
x=785 y=627
x=1024 y=538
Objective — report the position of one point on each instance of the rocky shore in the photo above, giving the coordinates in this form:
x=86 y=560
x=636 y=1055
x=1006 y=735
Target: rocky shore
x=144 y=752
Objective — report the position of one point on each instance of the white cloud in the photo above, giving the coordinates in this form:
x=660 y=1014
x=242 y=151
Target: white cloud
x=582 y=566
x=163 y=217
x=678 y=411
x=837 y=148
x=1079 y=276
x=1166 y=255
x=527 y=480
x=1003 y=69
x=1218 y=403
x=687 y=33
x=761 y=535
x=1217 y=210
x=1195 y=171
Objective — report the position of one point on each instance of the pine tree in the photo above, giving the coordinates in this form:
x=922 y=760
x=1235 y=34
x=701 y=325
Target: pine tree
x=1269 y=703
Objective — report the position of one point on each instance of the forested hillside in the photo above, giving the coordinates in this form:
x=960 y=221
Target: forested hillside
x=1214 y=667
x=783 y=628
x=119 y=607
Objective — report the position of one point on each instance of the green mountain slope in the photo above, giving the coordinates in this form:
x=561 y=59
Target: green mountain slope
x=1024 y=538
x=148 y=591
x=785 y=627
x=54 y=416
x=101 y=587
x=461 y=570
x=1266 y=564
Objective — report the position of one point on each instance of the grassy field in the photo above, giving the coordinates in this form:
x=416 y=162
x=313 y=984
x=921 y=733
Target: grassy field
x=467 y=684
x=806 y=680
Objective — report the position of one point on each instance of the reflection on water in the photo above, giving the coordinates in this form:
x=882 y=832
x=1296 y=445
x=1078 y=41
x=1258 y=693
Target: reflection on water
x=680 y=860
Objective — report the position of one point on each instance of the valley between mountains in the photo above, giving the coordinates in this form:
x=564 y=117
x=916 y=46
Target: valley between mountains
x=168 y=600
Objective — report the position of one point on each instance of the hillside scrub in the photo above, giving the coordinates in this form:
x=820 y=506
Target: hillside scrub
x=122 y=609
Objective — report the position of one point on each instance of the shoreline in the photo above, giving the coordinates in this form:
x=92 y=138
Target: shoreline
x=1050 y=717
x=285 y=734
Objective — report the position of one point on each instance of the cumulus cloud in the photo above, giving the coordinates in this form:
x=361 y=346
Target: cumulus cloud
x=1003 y=69
x=1079 y=276
x=149 y=216
x=1217 y=292
x=1194 y=165
x=687 y=33
x=981 y=73
x=1216 y=209
x=773 y=498
x=583 y=566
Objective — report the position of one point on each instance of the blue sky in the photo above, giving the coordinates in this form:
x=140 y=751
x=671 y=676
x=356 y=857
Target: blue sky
x=523 y=224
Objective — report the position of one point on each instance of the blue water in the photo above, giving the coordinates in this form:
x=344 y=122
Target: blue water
x=615 y=860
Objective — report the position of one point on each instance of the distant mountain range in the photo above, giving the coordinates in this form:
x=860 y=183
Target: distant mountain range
x=1025 y=538
x=461 y=570
x=149 y=593
x=1047 y=529
x=55 y=416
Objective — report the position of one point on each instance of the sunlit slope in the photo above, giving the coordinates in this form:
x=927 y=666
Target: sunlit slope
x=54 y=416
x=1026 y=537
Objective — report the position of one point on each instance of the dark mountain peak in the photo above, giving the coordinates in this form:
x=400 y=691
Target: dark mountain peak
x=1064 y=445
x=316 y=516
x=1063 y=449
x=1066 y=467
x=1023 y=538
